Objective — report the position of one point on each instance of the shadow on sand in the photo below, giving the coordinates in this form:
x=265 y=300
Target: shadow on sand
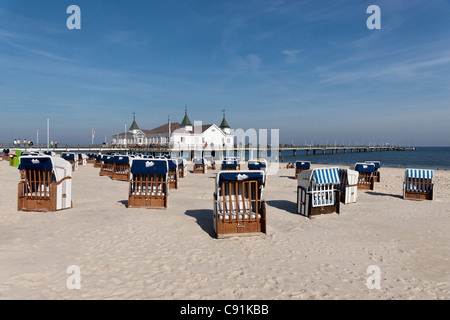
x=372 y=193
x=285 y=205
x=204 y=218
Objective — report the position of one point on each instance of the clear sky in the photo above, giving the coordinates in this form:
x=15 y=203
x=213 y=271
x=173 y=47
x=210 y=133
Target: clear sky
x=309 y=68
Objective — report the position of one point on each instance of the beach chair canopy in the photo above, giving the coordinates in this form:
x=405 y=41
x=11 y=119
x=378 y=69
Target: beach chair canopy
x=149 y=166
x=69 y=156
x=5 y=150
x=240 y=176
x=302 y=164
x=198 y=160
x=376 y=163
x=364 y=167
x=60 y=167
x=419 y=173
x=121 y=159
x=173 y=164
x=257 y=164
x=229 y=163
x=319 y=176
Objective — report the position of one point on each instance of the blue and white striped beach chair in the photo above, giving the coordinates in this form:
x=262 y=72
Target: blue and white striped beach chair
x=318 y=191
x=418 y=184
x=239 y=206
x=149 y=183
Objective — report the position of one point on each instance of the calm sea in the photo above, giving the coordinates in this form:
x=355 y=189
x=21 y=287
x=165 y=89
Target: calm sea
x=423 y=157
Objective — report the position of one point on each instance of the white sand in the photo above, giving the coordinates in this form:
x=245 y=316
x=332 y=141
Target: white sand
x=172 y=254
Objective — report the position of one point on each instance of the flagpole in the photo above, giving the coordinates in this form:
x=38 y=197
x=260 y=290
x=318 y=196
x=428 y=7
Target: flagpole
x=48 y=134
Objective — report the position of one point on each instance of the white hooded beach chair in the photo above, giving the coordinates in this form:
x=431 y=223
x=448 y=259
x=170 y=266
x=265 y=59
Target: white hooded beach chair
x=418 y=184
x=301 y=166
x=121 y=168
x=377 y=170
x=82 y=159
x=46 y=184
x=149 y=184
x=239 y=206
x=72 y=158
x=210 y=163
x=318 y=191
x=366 y=178
x=200 y=165
x=173 y=173
x=348 y=185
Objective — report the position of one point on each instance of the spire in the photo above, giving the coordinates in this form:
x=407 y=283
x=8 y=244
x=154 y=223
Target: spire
x=224 y=123
x=186 y=122
x=134 y=125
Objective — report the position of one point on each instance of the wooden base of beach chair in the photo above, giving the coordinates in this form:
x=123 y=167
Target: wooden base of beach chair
x=305 y=204
x=198 y=168
x=242 y=228
x=366 y=181
x=97 y=164
x=107 y=169
x=298 y=170
x=418 y=195
x=121 y=172
x=180 y=171
x=5 y=157
x=212 y=167
x=147 y=203
x=39 y=202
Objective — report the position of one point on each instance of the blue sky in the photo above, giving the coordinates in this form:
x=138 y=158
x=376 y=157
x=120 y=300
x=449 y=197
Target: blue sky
x=309 y=68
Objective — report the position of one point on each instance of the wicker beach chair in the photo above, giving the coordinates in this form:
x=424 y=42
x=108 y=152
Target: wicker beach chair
x=5 y=155
x=149 y=184
x=72 y=158
x=348 y=185
x=239 y=206
x=199 y=165
x=46 y=184
x=230 y=164
x=121 y=168
x=366 y=178
x=98 y=160
x=301 y=166
x=210 y=162
x=107 y=167
x=377 y=170
x=173 y=173
x=418 y=184
x=182 y=167
x=318 y=191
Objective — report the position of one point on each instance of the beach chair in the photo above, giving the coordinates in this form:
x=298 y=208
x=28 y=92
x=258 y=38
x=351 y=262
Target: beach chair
x=121 y=168
x=377 y=170
x=50 y=153
x=366 y=178
x=173 y=173
x=348 y=185
x=107 y=167
x=72 y=158
x=149 y=185
x=5 y=155
x=90 y=158
x=318 y=191
x=182 y=167
x=260 y=164
x=301 y=166
x=210 y=163
x=46 y=184
x=418 y=184
x=98 y=160
x=239 y=206
x=230 y=164
x=199 y=165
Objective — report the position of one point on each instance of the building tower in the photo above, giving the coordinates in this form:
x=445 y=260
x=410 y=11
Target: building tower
x=224 y=124
x=186 y=123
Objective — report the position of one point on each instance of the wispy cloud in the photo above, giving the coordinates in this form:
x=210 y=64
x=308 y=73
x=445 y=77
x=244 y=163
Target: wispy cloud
x=291 y=56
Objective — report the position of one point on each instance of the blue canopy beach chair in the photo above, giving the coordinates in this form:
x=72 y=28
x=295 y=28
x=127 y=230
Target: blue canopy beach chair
x=301 y=166
x=239 y=206
x=366 y=178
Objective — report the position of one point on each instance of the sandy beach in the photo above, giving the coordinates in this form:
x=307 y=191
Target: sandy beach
x=173 y=254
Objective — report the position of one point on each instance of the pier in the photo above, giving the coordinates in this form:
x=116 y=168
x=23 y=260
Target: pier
x=191 y=151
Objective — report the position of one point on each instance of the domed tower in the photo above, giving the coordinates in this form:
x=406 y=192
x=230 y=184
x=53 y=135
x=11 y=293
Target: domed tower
x=134 y=127
x=224 y=124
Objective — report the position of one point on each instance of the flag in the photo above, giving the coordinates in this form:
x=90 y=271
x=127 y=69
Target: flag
x=93 y=134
